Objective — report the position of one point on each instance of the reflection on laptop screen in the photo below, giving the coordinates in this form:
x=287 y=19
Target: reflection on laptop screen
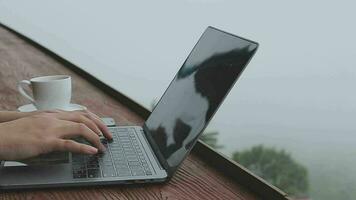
x=196 y=92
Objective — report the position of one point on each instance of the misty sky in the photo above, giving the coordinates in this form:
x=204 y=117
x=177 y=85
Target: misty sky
x=301 y=77
x=297 y=90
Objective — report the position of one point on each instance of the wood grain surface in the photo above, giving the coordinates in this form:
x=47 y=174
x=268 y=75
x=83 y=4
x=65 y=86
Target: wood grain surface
x=194 y=180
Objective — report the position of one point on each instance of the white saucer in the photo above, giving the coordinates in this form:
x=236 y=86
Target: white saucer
x=31 y=107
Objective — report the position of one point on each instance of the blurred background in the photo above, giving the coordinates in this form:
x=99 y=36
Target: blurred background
x=290 y=117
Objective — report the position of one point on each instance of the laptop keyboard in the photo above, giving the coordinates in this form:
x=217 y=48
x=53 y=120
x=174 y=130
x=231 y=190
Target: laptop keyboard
x=123 y=157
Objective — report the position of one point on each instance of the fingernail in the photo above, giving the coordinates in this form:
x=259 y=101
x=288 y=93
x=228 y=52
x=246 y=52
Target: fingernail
x=93 y=150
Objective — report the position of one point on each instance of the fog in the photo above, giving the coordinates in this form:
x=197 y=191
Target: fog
x=296 y=94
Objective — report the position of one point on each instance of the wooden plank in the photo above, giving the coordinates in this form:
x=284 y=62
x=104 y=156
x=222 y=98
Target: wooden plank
x=196 y=178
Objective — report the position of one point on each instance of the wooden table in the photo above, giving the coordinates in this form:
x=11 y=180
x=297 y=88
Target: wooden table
x=196 y=178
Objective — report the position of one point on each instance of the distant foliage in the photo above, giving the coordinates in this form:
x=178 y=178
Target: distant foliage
x=210 y=138
x=276 y=167
x=153 y=104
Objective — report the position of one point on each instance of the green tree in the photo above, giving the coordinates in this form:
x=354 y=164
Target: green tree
x=153 y=104
x=276 y=167
x=210 y=138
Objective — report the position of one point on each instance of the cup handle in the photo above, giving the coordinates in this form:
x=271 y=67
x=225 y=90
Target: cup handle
x=22 y=91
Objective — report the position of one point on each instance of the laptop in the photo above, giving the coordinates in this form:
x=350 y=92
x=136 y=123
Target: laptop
x=153 y=152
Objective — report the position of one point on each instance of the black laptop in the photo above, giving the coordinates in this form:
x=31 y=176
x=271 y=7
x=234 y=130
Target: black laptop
x=151 y=153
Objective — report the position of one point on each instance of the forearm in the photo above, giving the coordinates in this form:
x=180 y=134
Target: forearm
x=6 y=116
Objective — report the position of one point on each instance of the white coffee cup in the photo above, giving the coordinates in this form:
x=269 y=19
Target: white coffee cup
x=49 y=92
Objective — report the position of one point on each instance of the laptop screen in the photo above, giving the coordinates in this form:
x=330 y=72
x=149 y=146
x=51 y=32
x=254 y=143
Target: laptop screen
x=196 y=92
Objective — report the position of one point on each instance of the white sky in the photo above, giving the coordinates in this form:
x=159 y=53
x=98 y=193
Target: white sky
x=303 y=73
x=297 y=91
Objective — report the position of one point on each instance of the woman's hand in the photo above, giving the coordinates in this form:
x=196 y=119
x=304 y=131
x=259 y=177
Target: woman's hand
x=45 y=132
x=6 y=116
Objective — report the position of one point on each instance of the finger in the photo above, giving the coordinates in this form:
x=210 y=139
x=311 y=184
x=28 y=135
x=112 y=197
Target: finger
x=80 y=118
x=71 y=129
x=104 y=129
x=90 y=123
x=74 y=147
